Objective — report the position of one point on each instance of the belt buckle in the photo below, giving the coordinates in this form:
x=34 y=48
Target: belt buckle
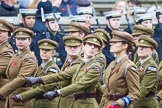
x=74 y=96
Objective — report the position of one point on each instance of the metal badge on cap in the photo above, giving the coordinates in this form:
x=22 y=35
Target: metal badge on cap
x=142 y=41
x=45 y=44
x=94 y=39
x=72 y=40
x=100 y=33
x=20 y=33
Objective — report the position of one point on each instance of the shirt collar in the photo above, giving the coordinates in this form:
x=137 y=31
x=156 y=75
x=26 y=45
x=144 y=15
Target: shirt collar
x=44 y=64
x=143 y=60
x=120 y=58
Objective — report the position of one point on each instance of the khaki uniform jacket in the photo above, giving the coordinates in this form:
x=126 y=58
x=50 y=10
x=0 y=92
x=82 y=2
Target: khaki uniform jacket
x=121 y=78
x=6 y=52
x=20 y=66
x=50 y=68
x=66 y=102
x=84 y=78
x=148 y=73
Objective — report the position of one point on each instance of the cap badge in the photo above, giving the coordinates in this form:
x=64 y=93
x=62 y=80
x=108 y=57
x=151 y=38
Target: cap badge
x=94 y=39
x=72 y=40
x=45 y=44
x=101 y=34
x=142 y=41
x=20 y=33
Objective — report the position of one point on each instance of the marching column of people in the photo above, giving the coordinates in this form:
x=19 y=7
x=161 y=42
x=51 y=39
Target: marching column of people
x=108 y=68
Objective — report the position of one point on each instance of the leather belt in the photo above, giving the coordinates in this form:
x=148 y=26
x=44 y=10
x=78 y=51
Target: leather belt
x=3 y=76
x=114 y=97
x=159 y=87
x=151 y=94
x=84 y=95
x=25 y=85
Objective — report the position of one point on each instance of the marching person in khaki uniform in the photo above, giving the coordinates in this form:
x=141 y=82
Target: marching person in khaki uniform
x=48 y=66
x=21 y=65
x=72 y=44
x=84 y=80
x=148 y=73
x=72 y=47
x=121 y=77
x=6 y=52
x=143 y=30
x=84 y=77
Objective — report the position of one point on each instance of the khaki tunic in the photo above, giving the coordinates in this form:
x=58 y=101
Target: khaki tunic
x=148 y=73
x=121 y=78
x=50 y=68
x=66 y=102
x=20 y=66
x=6 y=52
x=84 y=78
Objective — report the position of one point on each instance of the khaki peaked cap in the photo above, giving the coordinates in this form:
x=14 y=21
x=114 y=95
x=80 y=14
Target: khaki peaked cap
x=23 y=33
x=104 y=35
x=47 y=44
x=93 y=39
x=123 y=36
x=76 y=26
x=72 y=40
x=144 y=40
x=6 y=26
x=141 y=29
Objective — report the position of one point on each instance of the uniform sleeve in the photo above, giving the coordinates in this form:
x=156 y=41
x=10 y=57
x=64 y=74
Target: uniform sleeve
x=133 y=84
x=91 y=77
x=101 y=60
x=37 y=92
x=61 y=76
x=28 y=68
x=4 y=60
x=149 y=81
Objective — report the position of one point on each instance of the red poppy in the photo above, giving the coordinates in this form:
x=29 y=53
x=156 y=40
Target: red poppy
x=63 y=10
x=141 y=69
x=14 y=64
x=117 y=70
x=86 y=69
